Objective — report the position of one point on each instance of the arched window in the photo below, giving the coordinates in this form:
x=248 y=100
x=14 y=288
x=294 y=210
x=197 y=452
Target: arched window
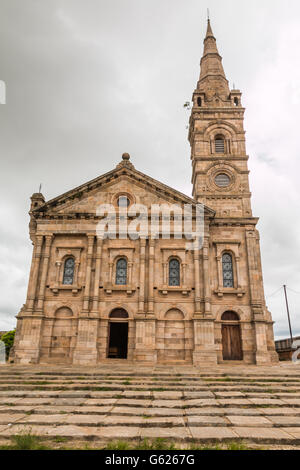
x=121 y=272
x=236 y=102
x=227 y=270
x=199 y=101
x=219 y=144
x=69 y=268
x=174 y=272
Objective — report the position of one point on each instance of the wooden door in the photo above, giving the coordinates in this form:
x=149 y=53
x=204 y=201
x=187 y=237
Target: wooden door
x=232 y=343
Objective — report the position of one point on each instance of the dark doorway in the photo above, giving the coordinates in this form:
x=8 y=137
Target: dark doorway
x=232 y=343
x=118 y=340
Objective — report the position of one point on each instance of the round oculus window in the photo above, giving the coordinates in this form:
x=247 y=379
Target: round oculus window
x=222 y=180
x=123 y=201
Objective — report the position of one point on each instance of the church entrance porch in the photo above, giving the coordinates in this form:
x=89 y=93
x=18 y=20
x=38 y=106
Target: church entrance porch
x=118 y=335
x=231 y=337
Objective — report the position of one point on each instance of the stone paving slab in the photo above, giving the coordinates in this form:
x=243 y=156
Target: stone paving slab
x=11 y=418
x=281 y=411
x=87 y=420
x=35 y=401
x=295 y=432
x=136 y=394
x=291 y=402
x=90 y=410
x=128 y=411
x=244 y=411
x=206 y=411
x=206 y=421
x=262 y=433
x=167 y=395
x=167 y=404
x=132 y=402
x=163 y=412
x=194 y=395
x=41 y=409
x=249 y=421
x=285 y=421
x=267 y=401
x=17 y=409
x=201 y=402
x=180 y=434
x=212 y=433
x=100 y=402
x=43 y=419
x=229 y=394
x=119 y=432
x=234 y=402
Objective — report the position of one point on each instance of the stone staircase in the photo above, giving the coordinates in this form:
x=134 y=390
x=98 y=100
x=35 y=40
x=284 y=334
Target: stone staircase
x=183 y=404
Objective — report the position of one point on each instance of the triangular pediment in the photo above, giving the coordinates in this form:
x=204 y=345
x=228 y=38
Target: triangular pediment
x=125 y=179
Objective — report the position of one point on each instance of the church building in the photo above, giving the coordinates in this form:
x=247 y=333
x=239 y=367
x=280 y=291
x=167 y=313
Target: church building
x=92 y=298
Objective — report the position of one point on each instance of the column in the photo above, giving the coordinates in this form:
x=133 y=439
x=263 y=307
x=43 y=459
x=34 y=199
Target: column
x=142 y=275
x=33 y=278
x=206 y=276
x=197 y=282
x=86 y=296
x=41 y=295
x=97 y=275
x=151 y=275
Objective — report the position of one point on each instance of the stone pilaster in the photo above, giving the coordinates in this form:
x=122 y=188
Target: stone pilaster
x=97 y=276
x=206 y=277
x=197 y=282
x=142 y=275
x=33 y=277
x=151 y=276
x=41 y=294
x=86 y=296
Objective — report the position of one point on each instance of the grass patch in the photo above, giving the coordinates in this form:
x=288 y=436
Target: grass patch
x=26 y=441
x=117 y=445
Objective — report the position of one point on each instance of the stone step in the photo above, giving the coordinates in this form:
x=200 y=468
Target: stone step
x=188 y=433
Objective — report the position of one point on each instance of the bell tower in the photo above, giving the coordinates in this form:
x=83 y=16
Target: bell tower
x=217 y=138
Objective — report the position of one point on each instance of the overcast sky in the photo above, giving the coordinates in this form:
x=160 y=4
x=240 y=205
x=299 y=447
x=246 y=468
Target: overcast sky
x=90 y=79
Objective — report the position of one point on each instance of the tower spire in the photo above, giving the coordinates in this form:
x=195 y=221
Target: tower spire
x=212 y=76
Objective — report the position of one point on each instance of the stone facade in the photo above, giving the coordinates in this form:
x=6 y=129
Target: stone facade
x=214 y=312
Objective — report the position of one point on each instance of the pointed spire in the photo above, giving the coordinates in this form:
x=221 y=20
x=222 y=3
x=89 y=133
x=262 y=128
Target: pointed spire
x=212 y=76
x=209 y=32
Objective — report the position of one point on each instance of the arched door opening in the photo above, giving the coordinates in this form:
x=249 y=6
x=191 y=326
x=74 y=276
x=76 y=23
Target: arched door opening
x=231 y=337
x=118 y=334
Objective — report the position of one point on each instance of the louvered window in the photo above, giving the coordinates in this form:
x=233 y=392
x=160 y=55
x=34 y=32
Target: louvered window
x=121 y=272
x=227 y=270
x=220 y=144
x=69 y=268
x=174 y=272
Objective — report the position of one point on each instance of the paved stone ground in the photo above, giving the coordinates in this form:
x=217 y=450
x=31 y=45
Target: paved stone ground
x=123 y=401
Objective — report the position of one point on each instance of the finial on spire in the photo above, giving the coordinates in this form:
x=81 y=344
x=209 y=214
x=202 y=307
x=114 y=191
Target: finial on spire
x=208 y=18
x=125 y=156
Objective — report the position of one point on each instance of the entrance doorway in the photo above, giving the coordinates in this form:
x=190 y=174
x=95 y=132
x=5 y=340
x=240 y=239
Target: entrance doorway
x=231 y=337
x=118 y=335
